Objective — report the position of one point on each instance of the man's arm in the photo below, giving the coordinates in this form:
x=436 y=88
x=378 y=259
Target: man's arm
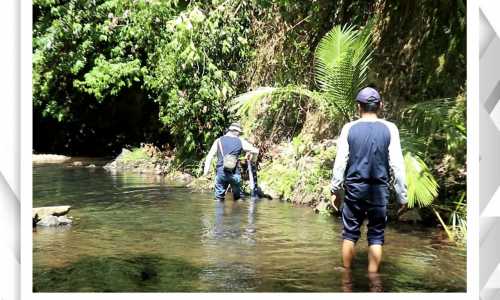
x=247 y=147
x=208 y=159
x=340 y=160
x=397 y=164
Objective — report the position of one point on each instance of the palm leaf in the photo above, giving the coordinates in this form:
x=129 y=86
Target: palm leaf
x=422 y=186
x=242 y=103
x=341 y=66
x=429 y=116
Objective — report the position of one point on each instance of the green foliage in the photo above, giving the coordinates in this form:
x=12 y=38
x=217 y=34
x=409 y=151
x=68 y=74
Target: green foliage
x=281 y=178
x=422 y=187
x=90 y=55
x=435 y=130
x=136 y=154
x=342 y=59
x=108 y=79
x=438 y=119
x=300 y=170
x=301 y=145
x=195 y=73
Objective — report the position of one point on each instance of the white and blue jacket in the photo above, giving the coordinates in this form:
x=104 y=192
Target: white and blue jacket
x=368 y=158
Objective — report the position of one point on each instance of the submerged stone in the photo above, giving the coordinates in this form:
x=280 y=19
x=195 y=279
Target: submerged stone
x=48 y=221
x=53 y=221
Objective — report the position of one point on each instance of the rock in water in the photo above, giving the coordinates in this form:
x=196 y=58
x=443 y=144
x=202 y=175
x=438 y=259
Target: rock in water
x=49 y=158
x=411 y=215
x=322 y=207
x=63 y=220
x=42 y=212
x=77 y=164
x=48 y=221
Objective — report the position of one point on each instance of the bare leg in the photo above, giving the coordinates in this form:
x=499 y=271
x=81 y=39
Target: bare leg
x=347 y=280
x=375 y=283
x=347 y=253
x=374 y=258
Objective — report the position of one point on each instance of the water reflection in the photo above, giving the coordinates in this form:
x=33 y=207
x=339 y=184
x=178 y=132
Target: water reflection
x=251 y=229
x=347 y=280
x=374 y=282
x=218 y=229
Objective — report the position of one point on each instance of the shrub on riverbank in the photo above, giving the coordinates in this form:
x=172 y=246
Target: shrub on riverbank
x=299 y=171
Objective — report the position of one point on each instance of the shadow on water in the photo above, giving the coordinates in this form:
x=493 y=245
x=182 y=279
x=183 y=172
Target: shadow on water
x=394 y=276
x=143 y=273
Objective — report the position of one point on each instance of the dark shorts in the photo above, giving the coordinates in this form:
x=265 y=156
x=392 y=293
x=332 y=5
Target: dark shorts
x=353 y=215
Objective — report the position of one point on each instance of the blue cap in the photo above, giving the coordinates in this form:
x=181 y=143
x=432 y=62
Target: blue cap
x=368 y=95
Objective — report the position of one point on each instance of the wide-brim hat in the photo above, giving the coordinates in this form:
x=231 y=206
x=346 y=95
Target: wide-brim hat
x=236 y=127
x=368 y=95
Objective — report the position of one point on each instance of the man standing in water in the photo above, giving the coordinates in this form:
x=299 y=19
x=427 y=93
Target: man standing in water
x=368 y=153
x=228 y=149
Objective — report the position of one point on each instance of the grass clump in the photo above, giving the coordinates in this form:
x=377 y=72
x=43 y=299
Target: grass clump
x=136 y=154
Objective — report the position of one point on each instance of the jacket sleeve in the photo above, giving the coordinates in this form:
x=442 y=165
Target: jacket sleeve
x=341 y=159
x=397 y=165
x=210 y=155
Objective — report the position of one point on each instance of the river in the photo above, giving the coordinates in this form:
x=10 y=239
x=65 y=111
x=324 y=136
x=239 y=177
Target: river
x=134 y=233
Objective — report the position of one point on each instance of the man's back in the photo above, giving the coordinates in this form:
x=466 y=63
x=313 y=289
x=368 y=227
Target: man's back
x=368 y=161
x=368 y=153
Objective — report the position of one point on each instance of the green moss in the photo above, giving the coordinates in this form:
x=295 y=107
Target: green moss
x=127 y=273
x=136 y=154
x=282 y=178
x=301 y=171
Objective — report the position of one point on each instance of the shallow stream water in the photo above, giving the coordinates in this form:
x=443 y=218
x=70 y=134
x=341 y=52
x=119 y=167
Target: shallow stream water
x=134 y=233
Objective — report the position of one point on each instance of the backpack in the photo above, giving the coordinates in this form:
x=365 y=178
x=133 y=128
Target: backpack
x=229 y=161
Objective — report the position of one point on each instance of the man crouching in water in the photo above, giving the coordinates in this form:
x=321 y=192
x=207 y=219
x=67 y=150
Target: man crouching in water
x=368 y=150
x=228 y=149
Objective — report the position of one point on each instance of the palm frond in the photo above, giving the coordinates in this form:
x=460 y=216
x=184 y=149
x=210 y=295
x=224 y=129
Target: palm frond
x=341 y=65
x=437 y=119
x=242 y=103
x=412 y=143
x=422 y=186
x=429 y=116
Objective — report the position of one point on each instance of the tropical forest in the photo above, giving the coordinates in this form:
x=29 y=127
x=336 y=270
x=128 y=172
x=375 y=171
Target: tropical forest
x=130 y=95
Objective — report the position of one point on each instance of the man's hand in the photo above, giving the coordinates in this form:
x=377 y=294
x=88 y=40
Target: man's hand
x=332 y=202
x=402 y=209
x=248 y=156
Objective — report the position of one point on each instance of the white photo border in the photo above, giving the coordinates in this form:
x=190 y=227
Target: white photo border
x=472 y=190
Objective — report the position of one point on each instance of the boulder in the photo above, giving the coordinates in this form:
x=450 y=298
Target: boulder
x=63 y=220
x=411 y=215
x=185 y=177
x=49 y=158
x=91 y=166
x=322 y=207
x=53 y=221
x=77 y=164
x=117 y=163
x=48 y=221
x=42 y=212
